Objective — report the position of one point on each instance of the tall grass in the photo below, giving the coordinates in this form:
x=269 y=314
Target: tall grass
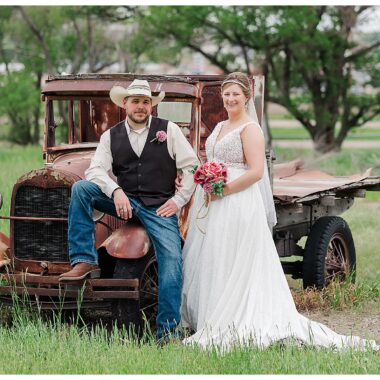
x=31 y=343
x=345 y=162
x=300 y=133
x=15 y=161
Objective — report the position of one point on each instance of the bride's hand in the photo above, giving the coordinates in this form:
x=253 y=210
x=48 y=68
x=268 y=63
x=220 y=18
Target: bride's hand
x=214 y=198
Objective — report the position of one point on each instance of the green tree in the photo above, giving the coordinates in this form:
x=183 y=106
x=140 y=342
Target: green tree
x=49 y=40
x=309 y=56
x=19 y=100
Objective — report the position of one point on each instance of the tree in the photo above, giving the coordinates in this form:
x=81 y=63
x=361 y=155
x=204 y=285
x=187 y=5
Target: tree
x=47 y=40
x=309 y=55
x=19 y=100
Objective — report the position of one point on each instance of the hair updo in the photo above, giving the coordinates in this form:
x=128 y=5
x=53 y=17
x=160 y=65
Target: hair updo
x=240 y=79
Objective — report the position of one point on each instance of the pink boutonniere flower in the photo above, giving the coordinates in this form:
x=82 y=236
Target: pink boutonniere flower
x=160 y=137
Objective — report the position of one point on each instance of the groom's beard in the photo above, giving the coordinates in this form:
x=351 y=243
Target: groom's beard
x=139 y=120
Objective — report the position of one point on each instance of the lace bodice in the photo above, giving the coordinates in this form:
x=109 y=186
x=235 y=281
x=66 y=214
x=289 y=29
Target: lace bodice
x=228 y=149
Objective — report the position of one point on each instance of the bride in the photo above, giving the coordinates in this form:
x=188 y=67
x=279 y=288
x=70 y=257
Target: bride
x=235 y=290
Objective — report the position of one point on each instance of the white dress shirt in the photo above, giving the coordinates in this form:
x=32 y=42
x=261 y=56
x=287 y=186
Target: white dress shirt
x=178 y=147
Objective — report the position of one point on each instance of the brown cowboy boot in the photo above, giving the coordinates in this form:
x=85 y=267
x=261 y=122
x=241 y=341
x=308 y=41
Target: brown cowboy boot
x=79 y=272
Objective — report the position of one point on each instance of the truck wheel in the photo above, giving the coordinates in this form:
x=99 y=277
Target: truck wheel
x=132 y=313
x=149 y=293
x=329 y=253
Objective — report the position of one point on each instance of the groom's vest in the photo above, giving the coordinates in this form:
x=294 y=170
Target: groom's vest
x=149 y=177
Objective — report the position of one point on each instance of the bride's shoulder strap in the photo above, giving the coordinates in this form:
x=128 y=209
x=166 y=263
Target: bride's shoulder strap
x=243 y=126
x=218 y=126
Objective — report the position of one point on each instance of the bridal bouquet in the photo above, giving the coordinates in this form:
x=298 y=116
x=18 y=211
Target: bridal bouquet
x=211 y=176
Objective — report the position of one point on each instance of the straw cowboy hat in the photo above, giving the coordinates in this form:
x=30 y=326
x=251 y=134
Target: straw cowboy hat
x=137 y=88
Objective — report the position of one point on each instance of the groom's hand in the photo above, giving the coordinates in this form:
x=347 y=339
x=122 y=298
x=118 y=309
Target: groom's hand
x=122 y=205
x=169 y=208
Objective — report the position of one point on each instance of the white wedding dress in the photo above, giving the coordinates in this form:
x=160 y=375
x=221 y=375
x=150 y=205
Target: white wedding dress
x=235 y=290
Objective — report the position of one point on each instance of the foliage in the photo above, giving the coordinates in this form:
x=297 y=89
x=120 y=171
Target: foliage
x=50 y=40
x=19 y=99
x=315 y=66
x=308 y=55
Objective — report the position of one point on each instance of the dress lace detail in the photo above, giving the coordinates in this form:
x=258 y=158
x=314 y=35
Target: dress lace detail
x=228 y=149
x=234 y=288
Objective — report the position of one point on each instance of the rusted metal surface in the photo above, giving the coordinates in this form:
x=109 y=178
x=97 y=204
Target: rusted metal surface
x=295 y=214
x=36 y=266
x=292 y=183
x=75 y=162
x=130 y=241
x=4 y=239
x=88 y=293
x=47 y=178
x=302 y=196
x=42 y=285
x=4 y=250
x=31 y=218
x=4 y=254
x=71 y=87
x=68 y=304
x=20 y=278
x=183 y=220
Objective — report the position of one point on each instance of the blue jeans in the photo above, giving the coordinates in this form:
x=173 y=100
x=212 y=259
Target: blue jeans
x=163 y=232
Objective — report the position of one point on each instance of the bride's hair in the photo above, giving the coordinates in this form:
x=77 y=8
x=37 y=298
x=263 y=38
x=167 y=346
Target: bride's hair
x=240 y=79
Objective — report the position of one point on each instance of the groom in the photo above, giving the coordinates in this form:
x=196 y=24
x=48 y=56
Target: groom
x=144 y=153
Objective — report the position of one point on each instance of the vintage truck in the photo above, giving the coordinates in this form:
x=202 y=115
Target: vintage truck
x=77 y=111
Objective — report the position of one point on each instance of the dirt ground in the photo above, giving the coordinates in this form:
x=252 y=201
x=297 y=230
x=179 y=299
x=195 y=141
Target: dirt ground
x=364 y=322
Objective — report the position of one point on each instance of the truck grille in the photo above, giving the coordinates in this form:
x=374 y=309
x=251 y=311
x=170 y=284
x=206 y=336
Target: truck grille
x=41 y=240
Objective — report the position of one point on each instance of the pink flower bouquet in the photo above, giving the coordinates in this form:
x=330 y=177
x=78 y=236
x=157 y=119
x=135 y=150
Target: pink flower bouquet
x=211 y=176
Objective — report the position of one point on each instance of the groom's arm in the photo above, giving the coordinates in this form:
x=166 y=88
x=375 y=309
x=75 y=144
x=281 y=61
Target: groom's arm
x=183 y=154
x=185 y=157
x=101 y=165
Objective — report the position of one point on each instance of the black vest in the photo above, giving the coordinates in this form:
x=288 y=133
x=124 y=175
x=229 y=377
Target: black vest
x=149 y=177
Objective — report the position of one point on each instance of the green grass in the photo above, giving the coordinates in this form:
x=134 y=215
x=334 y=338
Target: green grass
x=345 y=162
x=31 y=344
x=299 y=133
x=15 y=161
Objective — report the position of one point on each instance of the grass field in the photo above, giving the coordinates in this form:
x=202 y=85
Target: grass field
x=34 y=347
x=300 y=133
x=32 y=344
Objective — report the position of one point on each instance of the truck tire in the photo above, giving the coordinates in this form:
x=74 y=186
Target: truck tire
x=132 y=313
x=329 y=253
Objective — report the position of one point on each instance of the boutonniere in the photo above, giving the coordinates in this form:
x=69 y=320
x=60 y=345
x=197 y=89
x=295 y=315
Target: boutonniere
x=160 y=137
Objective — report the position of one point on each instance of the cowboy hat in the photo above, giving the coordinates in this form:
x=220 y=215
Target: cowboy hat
x=137 y=88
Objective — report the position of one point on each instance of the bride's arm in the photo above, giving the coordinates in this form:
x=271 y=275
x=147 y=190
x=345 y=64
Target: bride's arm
x=254 y=153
